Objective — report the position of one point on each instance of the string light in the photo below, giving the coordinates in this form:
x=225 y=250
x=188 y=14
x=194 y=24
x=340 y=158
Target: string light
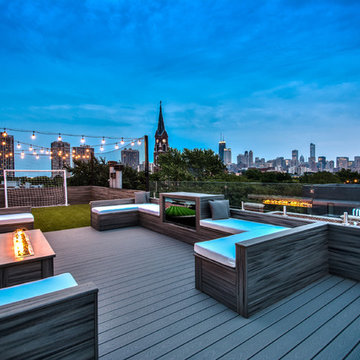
x=22 y=154
x=33 y=135
x=42 y=150
x=122 y=141
x=101 y=148
x=103 y=140
x=116 y=146
x=139 y=142
x=4 y=134
x=18 y=145
x=82 y=139
x=59 y=137
x=37 y=157
x=31 y=148
x=133 y=143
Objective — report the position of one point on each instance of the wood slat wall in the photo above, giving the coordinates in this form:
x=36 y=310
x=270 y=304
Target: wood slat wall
x=275 y=266
x=344 y=251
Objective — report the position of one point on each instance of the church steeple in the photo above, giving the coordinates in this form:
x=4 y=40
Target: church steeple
x=161 y=138
x=161 y=127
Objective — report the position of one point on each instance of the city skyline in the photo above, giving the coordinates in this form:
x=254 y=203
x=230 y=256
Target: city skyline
x=267 y=75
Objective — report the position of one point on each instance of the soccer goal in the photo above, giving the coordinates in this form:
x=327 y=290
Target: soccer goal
x=35 y=188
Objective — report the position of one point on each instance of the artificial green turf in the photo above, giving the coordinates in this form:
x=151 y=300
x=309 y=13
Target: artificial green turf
x=61 y=217
x=179 y=211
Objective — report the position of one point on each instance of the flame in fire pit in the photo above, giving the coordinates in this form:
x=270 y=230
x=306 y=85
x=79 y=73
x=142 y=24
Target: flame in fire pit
x=22 y=245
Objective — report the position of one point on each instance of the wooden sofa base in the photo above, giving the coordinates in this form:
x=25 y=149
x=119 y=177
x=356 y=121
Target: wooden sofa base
x=59 y=325
x=117 y=220
x=218 y=281
x=12 y=227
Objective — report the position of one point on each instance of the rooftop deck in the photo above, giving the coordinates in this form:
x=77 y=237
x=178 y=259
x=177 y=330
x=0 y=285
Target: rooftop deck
x=149 y=308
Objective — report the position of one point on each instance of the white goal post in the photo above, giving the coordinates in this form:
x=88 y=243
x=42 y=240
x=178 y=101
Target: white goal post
x=35 y=188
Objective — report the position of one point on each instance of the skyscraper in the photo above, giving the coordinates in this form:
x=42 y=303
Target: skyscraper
x=342 y=162
x=227 y=156
x=222 y=147
x=312 y=150
x=161 y=138
x=251 y=158
x=7 y=161
x=60 y=155
x=295 y=157
x=82 y=153
x=130 y=157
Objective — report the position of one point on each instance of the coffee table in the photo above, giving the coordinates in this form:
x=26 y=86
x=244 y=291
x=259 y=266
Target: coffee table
x=15 y=271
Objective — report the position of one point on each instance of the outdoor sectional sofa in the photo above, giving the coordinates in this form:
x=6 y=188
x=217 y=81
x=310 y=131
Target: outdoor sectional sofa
x=52 y=318
x=15 y=218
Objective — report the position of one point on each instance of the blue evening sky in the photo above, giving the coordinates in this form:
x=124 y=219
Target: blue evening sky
x=272 y=76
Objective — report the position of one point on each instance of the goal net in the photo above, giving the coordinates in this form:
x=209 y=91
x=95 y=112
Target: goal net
x=35 y=188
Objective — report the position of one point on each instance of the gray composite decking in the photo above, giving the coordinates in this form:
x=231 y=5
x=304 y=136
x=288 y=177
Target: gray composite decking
x=149 y=307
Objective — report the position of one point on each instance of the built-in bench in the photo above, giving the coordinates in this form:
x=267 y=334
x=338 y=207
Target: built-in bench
x=115 y=214
x=50 y=318
x=15 y=218
x=222 y=250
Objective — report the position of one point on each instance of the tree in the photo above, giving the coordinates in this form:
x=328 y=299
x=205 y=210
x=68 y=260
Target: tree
x=94 y=172
x=196 y=164
x=322 y=177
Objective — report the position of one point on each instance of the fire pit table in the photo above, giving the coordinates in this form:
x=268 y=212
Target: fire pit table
x=17 y=270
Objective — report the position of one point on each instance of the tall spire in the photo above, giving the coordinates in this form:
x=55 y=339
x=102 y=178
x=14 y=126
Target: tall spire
x=161 y=127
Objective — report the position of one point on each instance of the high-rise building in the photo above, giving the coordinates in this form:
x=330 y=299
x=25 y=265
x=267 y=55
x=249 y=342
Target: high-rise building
x=295 y=158
x=7 y=161
x=161 y=138
x=60 y=155
x=130 y=157
x=82 y=153
x=342 y=162
x=302 y=159
x=312 y=150
x=222 y=147
x=227 y=156
x=321 y=163
x=251 y=158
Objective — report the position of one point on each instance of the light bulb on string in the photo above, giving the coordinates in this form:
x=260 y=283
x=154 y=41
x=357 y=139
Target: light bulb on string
x=22 y=154
x=103 y=140
x=31 y=148
x=122 y=141
x=37 y=157
x=116 y=146
x=18 y=145
x=47 y=152
x=139 y=142
x=4 y=134
x=82 y=140
x=34 y=153
x=33 y=136
x=59 y=138
x=133 y=143
x=42 y=150
x=101 y=148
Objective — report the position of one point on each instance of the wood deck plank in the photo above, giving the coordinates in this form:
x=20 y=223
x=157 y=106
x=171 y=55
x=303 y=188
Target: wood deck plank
x=149 y=307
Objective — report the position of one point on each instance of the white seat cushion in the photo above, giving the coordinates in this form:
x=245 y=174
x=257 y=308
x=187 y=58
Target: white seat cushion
x=115 y=208
x=153 y=209
x=21 y=218
x=223 y=250
x=36 y=288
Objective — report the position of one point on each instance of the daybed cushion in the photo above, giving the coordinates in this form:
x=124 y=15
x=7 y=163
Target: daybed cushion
x=147 y=208
x=20 y=218
x=220 y=209
x=36 y=288
x=223 y=250
x=142 y=197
